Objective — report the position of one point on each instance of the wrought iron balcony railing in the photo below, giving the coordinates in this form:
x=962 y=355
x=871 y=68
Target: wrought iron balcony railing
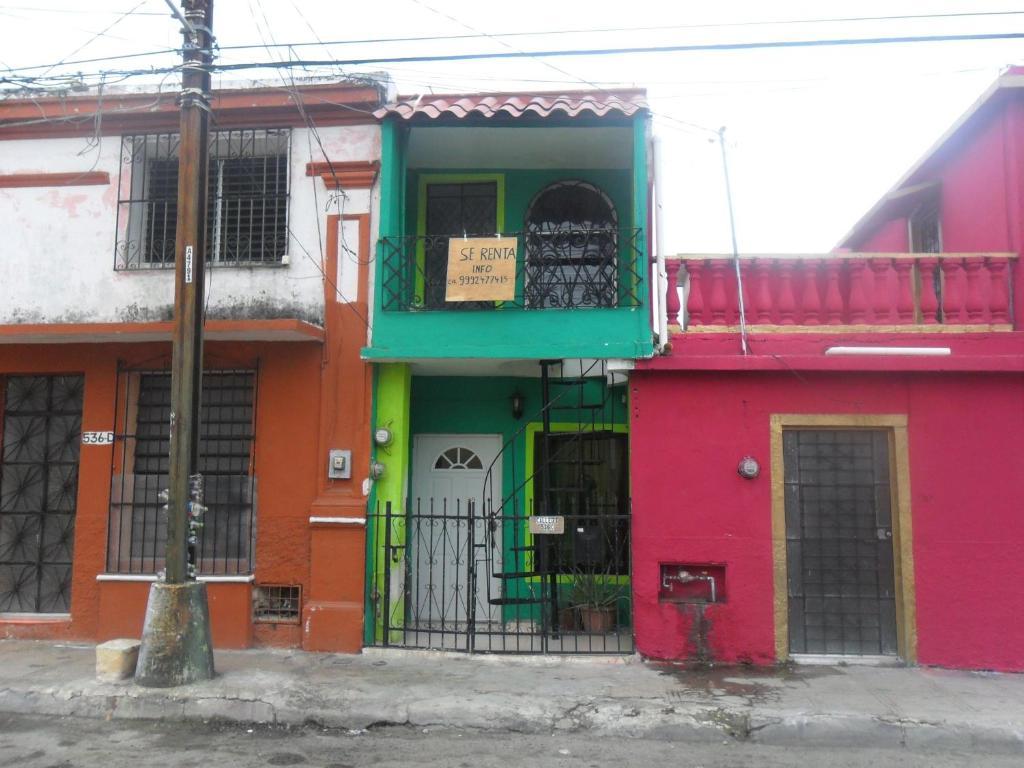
x=567 y=269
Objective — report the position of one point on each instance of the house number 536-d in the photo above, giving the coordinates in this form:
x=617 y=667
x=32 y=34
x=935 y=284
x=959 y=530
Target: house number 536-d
x=97 y=438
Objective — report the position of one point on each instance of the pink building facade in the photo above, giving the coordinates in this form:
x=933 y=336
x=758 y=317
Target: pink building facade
x=847 y=487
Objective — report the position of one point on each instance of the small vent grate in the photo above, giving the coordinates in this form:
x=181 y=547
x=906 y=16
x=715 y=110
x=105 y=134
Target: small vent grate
x=277 y=603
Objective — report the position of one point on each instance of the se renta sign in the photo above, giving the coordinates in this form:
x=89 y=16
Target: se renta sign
x=481 y=269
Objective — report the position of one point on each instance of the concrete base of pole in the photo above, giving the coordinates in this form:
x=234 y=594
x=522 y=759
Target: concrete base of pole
x=176 y=646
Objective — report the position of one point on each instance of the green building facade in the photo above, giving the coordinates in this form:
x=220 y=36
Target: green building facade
x=500 y=515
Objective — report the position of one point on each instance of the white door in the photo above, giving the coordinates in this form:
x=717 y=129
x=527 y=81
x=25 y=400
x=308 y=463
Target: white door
x=447 y=493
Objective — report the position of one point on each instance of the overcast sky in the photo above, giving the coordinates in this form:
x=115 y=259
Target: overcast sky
x=815 y=135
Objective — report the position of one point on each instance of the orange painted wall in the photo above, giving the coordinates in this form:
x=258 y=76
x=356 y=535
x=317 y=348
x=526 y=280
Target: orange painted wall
x=332 y=618
x=289 y=473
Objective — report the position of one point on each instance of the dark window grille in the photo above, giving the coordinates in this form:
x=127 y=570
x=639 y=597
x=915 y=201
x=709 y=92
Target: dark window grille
x=469 y=210
x=138 y=527
x=925 y=228
x=277 y=603
x=572 y=248
x=41 y=423
x=590 y=488
x=246 y=205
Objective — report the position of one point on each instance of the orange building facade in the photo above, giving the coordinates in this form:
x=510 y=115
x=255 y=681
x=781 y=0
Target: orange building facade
x=85 y=354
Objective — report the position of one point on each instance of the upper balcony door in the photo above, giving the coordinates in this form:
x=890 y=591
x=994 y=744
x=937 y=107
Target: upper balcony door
x=466 y=209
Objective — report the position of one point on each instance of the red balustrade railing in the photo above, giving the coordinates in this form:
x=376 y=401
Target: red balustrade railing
x=844 y=290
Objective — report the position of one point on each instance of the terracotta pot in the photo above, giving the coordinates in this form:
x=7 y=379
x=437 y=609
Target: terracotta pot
x=568 y=619
x=597 y=619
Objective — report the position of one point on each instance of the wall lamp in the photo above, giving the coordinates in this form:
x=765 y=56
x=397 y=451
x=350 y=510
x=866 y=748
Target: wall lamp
x=517 y=405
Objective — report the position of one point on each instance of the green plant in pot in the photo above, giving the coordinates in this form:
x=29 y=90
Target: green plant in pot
x=594 y=597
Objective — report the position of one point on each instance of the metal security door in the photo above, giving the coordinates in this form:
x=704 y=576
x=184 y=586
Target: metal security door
x=839 y=545
x=42 y=426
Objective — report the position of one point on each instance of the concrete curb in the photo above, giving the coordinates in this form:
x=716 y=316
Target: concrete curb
x=630 y=718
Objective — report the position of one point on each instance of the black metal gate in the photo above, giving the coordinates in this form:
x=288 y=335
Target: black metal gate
x=839 y=542
x=451 y=578
x=41 y=427
x=542 y=566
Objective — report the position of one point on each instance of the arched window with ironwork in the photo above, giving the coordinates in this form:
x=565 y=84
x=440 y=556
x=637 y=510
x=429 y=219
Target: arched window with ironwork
x=571 y=242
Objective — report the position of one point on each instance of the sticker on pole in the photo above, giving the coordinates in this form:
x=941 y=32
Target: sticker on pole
x=547 y=525
x=188 y=263
x=97 y=438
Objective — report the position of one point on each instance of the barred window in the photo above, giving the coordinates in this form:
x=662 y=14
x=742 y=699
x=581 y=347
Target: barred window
x=925 y=228
x=138 y=527
x=572 y=245
x=246 y=204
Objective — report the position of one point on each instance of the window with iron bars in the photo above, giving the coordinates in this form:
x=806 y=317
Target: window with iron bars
x=925 y=228
x=246 y=203
x=227 y=441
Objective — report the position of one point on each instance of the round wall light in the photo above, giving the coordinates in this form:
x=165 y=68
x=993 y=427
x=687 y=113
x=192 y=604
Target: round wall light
x=748 y=468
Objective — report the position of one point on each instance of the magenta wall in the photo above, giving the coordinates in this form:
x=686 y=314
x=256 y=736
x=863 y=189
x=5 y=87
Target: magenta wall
x=974 y=191
x=981 y=170
x=890 y=237
x=966 y=435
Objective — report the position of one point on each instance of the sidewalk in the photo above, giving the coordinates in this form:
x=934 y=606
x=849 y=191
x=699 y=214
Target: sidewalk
x=836 y=705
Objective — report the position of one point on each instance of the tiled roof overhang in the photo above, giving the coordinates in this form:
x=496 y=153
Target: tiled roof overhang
x=487 y=105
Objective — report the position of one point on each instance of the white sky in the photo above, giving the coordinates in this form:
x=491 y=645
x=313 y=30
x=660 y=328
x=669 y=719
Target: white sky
x=815 y=135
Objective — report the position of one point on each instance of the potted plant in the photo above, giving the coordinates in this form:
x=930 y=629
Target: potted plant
x=594 y=599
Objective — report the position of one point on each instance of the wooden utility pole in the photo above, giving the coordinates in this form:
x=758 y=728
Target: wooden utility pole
x=189 y=268
x=176 y=647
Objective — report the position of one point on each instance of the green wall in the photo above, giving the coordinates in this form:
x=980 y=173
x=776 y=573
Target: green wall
x=472 y=405
x=522 y=185
x=392 y=385
x=477 y=405
x=517 y=333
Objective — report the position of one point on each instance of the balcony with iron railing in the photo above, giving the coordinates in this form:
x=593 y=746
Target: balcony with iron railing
x=877 y=292
x=569 y=269
x=572 y=292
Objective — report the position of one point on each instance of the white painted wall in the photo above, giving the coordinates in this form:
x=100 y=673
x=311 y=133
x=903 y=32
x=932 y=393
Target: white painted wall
x=57 y=243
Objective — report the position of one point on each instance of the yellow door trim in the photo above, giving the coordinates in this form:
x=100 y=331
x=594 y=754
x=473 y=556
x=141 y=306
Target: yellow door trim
x=903 y=537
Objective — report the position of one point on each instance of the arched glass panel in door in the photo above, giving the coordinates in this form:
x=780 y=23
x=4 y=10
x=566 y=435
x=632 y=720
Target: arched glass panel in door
x=457 y=457
x=571 y=241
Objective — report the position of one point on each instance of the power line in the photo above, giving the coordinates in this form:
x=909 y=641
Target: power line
x=591 y=52
x=541 y=33
x=62 y=11
x=99 y=34
x=476 y=35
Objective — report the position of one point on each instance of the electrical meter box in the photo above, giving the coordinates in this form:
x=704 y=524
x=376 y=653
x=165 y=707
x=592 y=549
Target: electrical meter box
x=339 y=464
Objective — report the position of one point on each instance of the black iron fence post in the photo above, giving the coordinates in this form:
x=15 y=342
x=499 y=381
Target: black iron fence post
x=386 y=623
x=471 y=581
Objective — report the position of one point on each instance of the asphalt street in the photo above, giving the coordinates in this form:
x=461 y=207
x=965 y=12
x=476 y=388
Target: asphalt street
x=51 y=742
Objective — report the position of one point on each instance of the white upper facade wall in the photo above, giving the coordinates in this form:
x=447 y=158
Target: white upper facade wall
x=57 y=244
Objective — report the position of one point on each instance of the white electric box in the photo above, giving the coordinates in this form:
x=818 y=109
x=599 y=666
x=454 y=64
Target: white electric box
x=339 y=464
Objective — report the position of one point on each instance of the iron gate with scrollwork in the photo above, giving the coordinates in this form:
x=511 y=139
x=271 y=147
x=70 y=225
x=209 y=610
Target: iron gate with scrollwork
x=533 y=564
x=41 y=428
x=455 y=577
